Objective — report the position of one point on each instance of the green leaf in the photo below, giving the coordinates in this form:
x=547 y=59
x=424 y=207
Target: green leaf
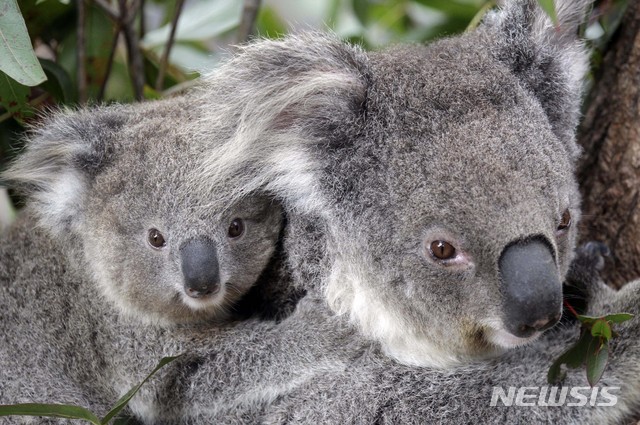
x=618 y=317
x=597 y=360
x=452 y=8
x=122 y=403
x=150 y=93
x=587 y=319
x=574 y=357
x=99 y=37
x=18 y=58
x=269 y=23
x=58 y=83
x=555 y=373
x=49 y=410
x=361 y=10
x=550 y=9
x=125 y=420
x=14 y=97
x=199 y=21
x=601 y=328
x=477 y=18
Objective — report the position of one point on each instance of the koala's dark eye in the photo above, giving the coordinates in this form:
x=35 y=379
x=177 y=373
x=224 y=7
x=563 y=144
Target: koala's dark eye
x=236 y=228
x=565 y=221
x=442 y=250
x=156 y=239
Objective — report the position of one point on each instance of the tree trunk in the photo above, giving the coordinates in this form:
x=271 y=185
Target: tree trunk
x=609 y=172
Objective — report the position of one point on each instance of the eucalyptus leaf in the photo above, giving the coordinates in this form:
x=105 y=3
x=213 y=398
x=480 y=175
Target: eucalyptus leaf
x=618 y=317
x=18 y=58
x=125 y=420
x=122 y=403
x=601 y=328
x=199 y=21
x=58 y=82
x=573 y=358
x=453 y=8
x=597 y=360
x=361 y=10
x=555 y=373
x=549 y=7
x=49 y=410
x=269 y=23
x=586 y=319
x=14 y=97
x=477 y=18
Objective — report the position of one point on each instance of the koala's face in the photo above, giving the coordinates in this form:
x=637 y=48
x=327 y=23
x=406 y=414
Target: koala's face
x=159 y=246
x=128 y=189
x=177 y=260
x=478 y=223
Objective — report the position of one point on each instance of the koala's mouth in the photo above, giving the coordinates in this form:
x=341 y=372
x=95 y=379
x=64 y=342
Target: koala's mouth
x=205 y=301
x=504 y=339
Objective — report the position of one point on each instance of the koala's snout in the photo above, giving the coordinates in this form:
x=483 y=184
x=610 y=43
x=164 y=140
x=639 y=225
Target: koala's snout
x=200 y=268
x=532 y=291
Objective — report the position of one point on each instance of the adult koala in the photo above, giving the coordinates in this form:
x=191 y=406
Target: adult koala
x=430 y=188
x=431 y=202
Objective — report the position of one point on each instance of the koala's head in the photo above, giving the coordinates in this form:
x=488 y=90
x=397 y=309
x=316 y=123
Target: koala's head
x=441 y=176
x=120 y=187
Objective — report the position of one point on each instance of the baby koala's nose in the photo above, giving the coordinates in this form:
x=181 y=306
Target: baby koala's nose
x=200 y=267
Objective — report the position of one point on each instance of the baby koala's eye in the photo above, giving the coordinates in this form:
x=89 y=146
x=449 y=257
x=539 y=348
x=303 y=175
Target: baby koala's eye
x=236 y=228
x=442 y=250
x=565 y=221
x=156 y=239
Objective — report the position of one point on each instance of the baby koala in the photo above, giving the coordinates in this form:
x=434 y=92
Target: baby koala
x=118 y=188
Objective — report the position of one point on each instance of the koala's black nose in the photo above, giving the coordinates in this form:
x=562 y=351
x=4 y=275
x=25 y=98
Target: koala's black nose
x=200 y=267
x=532 y=291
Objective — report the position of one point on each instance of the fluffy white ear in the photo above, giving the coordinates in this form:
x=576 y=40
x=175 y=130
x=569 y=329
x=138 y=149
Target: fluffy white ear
x=60 y=159
x=273 y=101
x=550 y=59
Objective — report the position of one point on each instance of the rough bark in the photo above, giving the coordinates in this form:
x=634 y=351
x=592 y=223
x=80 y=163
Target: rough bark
x=610 y=169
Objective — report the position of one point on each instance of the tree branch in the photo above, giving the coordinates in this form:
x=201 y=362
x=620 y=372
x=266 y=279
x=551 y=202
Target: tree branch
x=143 y=24
x=112 y=54
x=167 y=49
x=134 y=58
x=81 y=53
x=108 y=9
x=249 y=15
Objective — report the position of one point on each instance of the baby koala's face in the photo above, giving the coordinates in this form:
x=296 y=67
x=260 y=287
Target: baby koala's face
x=176 y=260
x=160 y=246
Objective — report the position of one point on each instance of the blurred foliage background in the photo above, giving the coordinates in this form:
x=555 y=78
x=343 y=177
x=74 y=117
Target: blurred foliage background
x=68 y=53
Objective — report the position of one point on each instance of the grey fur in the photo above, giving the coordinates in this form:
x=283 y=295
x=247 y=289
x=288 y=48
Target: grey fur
x=374 y=155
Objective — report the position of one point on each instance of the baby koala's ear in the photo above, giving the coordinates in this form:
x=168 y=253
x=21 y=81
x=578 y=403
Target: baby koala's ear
x=60 y=159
